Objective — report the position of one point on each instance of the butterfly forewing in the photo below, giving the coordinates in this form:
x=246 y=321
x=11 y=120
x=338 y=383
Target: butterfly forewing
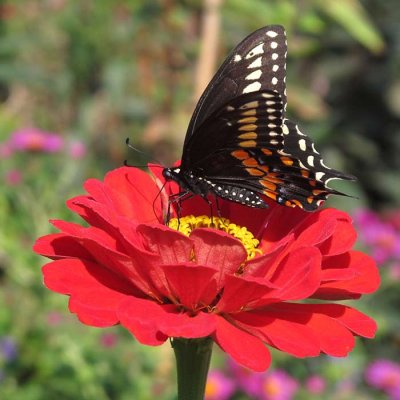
x=258 y=63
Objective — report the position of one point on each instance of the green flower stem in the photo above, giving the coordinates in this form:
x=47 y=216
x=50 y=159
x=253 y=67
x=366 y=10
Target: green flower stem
x=193 y=361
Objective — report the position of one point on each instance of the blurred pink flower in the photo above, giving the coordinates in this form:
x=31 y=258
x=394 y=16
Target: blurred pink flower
x=380 y=236
x=54 y=318
x=315 y=384
x=77 y=149
x=33 y=139
x=5 y=150
x=248 y=381
x=384 y=375
x=278 y=385
x=219 y=386
x=13 y=177
x=108 y=340
x=394 y=271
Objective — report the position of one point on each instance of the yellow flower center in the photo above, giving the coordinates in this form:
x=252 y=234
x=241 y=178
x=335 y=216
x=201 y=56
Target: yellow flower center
x=187 y=224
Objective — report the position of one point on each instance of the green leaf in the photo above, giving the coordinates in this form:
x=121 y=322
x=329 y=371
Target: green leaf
x=353 y=17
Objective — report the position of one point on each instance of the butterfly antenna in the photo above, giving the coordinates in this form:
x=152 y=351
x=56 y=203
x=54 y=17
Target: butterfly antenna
x=154 y=202
x=128 y=143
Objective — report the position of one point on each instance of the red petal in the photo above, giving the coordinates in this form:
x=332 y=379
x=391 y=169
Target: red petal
x=130 y=191
x=59 y=245
x=318 y=227
x=357 y=322
x=298 y=275
x=191 y=285
x=102 y=247
x=335 y=339
x=218 y=249
x=288 y=336
x=362 y=276
x=242 y=293
x=342 y=239
x=244 y=348
x=152 y=323
x=95 y=291
x=171 y=246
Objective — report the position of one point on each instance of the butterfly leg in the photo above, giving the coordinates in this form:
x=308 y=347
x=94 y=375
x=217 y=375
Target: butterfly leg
x=177 y=199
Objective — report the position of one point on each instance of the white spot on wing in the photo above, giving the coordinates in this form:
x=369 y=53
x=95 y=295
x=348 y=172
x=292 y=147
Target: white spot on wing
x=285 y=129
x=267 y=95
x=275 y=67
x=314 y=149
x=319 y=175
x=302 y=144
x=275 y=56
x=274 y=45
x=254 y=75
x=237 y=57
x=302 y=165
x=310 y=160
x=274 y=81
x=259 y=49
x=253 y=87
x=271 y=34
x=298 y=131
x=257 y=63
x=322 y=163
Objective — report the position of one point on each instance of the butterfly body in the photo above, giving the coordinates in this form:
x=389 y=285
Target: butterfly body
x=239 y=145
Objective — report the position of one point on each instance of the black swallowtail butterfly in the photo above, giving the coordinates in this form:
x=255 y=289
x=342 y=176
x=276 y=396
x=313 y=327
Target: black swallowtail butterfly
x=239 y=146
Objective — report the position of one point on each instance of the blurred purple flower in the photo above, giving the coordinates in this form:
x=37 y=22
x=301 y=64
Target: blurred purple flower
x=218 y=387
x=315 y=384
x=54 y=318
x=108 y=340
x=278 y=385
x=33 y=139
x=13 y=177
x=248 y=381
x=394 y=271
x=5 y=150
x=380 y=236
x=8 y=348
x=77 y=149
x=385 y=375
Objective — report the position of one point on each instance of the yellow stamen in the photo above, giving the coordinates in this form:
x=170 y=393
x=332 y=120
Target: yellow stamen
x=187 y=224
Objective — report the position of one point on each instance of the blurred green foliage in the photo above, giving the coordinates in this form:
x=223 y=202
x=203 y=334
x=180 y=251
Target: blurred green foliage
x=103 y=71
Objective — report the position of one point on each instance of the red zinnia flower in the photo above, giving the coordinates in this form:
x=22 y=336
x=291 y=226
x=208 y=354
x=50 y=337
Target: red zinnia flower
x=128 y=268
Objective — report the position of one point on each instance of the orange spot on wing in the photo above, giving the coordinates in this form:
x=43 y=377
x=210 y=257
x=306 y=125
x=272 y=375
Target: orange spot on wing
x=254 y=171
x=240 y=154
x=267 y=152
x=247 y=120
x=310 y=199
x=248 y=143
x=297 y=203
x=249 y=112
x=287 y=161
x=304 y=173
x=268 y=185
x=248 y=135
x=248 y=127
x=270 y=195
x=250 y=162
x=316 y=192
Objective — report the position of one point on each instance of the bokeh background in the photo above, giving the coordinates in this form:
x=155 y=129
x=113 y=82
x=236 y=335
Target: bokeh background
x=78 y=77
